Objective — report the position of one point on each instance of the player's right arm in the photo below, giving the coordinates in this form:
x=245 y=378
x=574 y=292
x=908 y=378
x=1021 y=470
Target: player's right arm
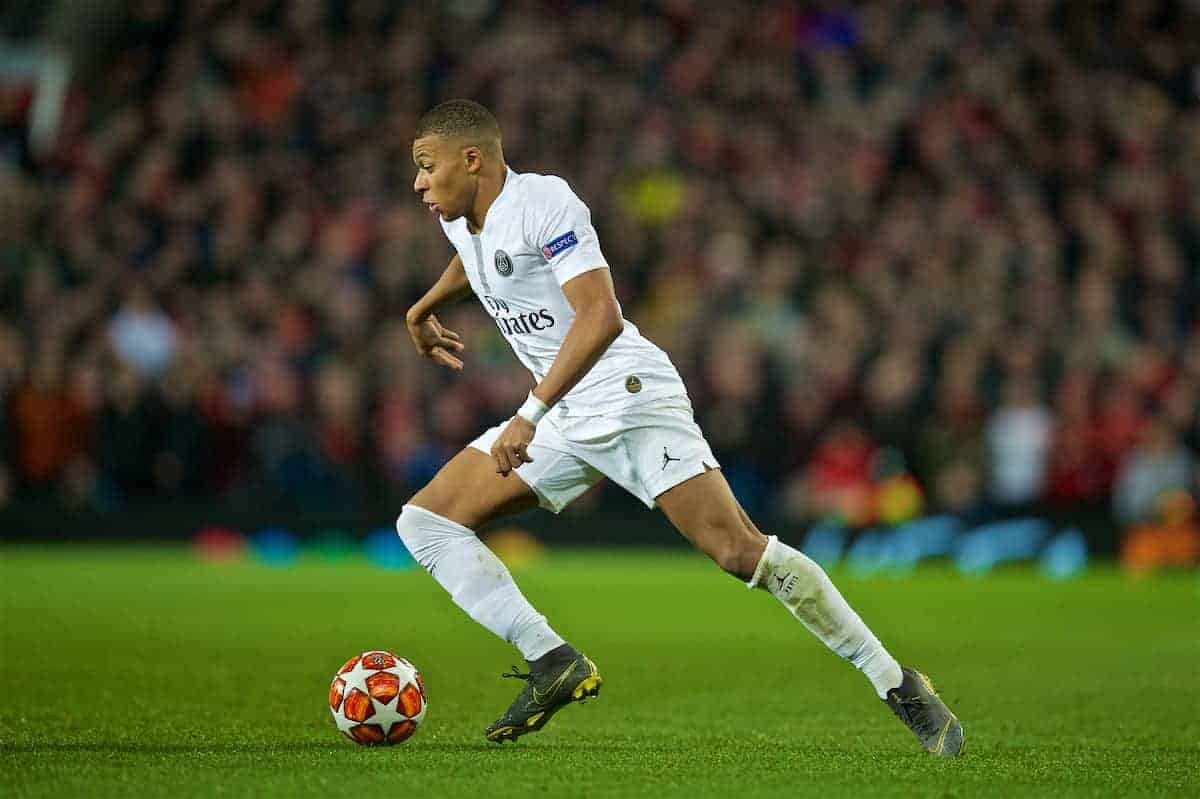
x=431 y=339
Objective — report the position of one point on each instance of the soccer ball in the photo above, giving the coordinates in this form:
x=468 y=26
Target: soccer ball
x=377 y=698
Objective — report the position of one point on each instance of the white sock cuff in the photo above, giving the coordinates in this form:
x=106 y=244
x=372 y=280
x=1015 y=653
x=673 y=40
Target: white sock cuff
x=428 y=516
x=768 y=556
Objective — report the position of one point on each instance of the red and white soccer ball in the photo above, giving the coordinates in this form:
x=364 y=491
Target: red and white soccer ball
x=377 y=698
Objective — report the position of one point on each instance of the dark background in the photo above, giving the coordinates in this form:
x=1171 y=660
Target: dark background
x=909 y=257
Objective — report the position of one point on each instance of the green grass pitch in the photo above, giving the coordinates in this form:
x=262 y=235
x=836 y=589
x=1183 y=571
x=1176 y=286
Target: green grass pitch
x=144 y=672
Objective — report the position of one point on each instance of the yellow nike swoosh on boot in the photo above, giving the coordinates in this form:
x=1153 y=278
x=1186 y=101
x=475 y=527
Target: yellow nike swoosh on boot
x=540 y=697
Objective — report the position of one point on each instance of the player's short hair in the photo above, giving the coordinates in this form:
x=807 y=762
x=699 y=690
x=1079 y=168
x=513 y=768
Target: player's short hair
x=459 y=119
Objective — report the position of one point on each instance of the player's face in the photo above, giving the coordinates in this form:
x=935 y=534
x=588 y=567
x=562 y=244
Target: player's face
x=445 y=175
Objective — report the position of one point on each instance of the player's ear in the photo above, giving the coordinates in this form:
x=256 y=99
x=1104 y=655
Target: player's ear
x=473 y=157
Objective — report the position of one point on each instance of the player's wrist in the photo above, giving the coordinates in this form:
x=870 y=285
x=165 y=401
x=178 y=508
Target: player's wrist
x=533 y=409
x=421 y=310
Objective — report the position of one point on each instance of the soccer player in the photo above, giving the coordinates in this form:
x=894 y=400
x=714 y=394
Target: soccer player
x=607 y=403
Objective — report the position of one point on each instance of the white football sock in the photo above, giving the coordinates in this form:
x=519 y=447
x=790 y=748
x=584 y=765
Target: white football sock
x=803 y=587
x=476 y=579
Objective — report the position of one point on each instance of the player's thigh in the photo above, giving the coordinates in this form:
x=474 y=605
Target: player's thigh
x=705 y=511
x=469 y=491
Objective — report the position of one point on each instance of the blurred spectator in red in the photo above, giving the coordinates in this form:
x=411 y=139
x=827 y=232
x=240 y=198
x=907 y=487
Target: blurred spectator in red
x=838 y=481
x=898 y=495
x=1077 y=471
x=1120 y=421
x=52 y=429
x=339 y=414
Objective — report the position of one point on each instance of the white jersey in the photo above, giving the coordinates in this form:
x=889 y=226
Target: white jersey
x=536 y=236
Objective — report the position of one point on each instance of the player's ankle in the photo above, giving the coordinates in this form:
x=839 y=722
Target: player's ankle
x=554 y=656
x=762 y=566
x=752 y=555
x=740 y=557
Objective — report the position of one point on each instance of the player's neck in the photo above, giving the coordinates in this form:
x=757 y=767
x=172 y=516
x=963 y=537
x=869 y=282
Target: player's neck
x=490 y=186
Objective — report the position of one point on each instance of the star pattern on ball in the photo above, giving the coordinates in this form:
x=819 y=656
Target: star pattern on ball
x=383 y=714
x=357 y=677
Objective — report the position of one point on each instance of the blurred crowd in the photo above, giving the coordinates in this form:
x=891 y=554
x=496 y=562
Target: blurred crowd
x=908 y=256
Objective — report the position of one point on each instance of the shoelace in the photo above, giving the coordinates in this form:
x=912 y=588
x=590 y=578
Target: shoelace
x=516 y=673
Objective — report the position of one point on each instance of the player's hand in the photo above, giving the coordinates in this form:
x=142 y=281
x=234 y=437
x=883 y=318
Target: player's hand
x=512 y=447
x=435 y=342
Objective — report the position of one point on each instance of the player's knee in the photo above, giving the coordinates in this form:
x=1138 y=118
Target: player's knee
x=425 y=533
x=409 y=529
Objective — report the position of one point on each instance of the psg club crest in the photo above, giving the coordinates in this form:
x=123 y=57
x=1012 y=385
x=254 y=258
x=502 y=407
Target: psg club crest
x=504 y=264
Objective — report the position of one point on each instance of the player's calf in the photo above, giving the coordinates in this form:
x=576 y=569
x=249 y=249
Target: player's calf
x=805 y=589
x=706 y=513
x=476 y=580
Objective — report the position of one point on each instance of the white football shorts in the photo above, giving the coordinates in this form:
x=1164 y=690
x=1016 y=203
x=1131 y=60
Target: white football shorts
x=646 y=449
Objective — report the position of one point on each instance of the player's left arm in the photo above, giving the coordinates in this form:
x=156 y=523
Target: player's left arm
x=596 y=325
